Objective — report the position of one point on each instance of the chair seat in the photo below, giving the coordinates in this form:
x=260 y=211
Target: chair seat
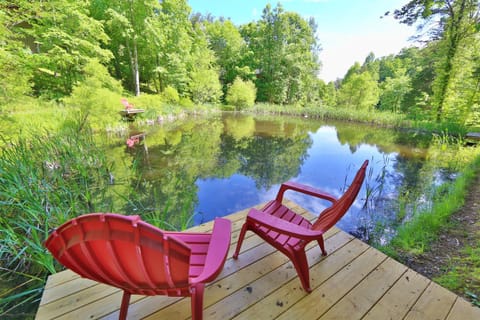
x=277 y=209
x=198 y=244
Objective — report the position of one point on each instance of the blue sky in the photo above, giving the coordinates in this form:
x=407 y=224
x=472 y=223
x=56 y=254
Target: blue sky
x=347 y=29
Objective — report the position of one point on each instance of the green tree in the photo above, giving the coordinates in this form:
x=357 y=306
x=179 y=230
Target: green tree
x=463 y=99
x=63 y=41
x=171 y=47
x=204 y=84
x=419 y=65
x=14 y=60
x=241 y=93
x=285 y=55
x=393 y=91
x=98 y=95
x=328 y=93
x=225 y=40
x=127 y=24
x=360 y=91
x=458 y=23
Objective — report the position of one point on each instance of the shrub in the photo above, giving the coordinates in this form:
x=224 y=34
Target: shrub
x=97 y=97
x=241 y=94
x=205 y=87
x=186 y=102
x=170 y=95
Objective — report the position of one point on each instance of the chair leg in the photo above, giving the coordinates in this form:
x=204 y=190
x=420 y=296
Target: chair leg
x=322 y=246
x=124 y=306
x=240 y=239
x=197 y=301
x=299 y=260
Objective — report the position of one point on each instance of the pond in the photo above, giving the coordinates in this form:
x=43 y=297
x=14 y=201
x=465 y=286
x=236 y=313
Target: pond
x=192 y=170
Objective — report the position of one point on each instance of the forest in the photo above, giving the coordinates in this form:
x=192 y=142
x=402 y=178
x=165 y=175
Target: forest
x=62 y=51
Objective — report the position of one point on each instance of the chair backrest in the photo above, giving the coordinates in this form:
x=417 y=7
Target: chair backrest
x=125 y=103
x=330 y=216
x=122 y=251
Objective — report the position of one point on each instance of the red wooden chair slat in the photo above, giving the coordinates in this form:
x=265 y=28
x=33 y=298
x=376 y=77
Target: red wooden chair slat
x=128 y=253
x=289 y=232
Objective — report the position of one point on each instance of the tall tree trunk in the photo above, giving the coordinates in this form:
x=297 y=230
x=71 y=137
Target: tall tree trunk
x=136 y=74
x=134 y=55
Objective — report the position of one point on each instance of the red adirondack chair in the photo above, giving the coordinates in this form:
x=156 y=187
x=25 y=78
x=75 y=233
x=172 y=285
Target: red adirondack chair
x=126 y=104
x=130 y=254
x=289 y=232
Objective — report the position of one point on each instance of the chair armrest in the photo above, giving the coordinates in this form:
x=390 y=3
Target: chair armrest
x=290 y=185
x=282 y=226
x=217 y=251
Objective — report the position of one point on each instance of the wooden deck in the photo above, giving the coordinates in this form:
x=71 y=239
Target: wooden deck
x=354 y=281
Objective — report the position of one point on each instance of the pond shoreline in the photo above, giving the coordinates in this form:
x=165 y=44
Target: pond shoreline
x=446 y=261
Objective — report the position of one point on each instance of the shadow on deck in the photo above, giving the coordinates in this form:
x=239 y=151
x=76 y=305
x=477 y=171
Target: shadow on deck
x=355 y=281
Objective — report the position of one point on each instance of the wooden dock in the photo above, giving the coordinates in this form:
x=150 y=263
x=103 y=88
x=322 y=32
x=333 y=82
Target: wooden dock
x=130 y=114
x=355 y=281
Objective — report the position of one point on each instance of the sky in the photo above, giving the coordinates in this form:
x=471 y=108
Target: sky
x=348 y=30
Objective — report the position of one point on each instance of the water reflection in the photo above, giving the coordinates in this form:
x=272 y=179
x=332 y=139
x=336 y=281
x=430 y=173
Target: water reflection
x=200 y=168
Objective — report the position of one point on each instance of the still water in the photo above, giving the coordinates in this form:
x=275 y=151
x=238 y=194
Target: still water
x=195 y=169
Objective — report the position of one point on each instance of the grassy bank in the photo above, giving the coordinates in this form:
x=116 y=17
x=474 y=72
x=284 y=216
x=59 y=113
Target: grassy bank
x=418 y=235
x=374 y=117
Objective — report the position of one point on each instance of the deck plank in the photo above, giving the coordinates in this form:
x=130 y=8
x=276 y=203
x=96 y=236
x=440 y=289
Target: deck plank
x=366 y=294
x=463 y=310
x=328 y=293
x=400 y=298
x=289 y=294
x=435 y=303
x=354 y=281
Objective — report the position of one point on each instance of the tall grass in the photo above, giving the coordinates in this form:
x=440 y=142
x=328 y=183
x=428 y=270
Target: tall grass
x=44 y=181
x=376 y=117
x=48 y=178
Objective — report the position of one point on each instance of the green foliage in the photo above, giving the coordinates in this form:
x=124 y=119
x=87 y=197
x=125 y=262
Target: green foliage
x=186 y=102
x=284 y=56
x=63 y=41
x=225 y=40
x=170 y=95
x=393 y=91
x=16 y=75
x=97 y=97
x=327 y=94
x=153 y=104
x=456 y=31
x=241 y=94
x=205 y=87
x=359 y=91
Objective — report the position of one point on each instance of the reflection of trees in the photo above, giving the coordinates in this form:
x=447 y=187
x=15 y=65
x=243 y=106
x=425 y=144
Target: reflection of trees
x=405 y=188
x=163 y=187
x=268 y=160
x=386 y=140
